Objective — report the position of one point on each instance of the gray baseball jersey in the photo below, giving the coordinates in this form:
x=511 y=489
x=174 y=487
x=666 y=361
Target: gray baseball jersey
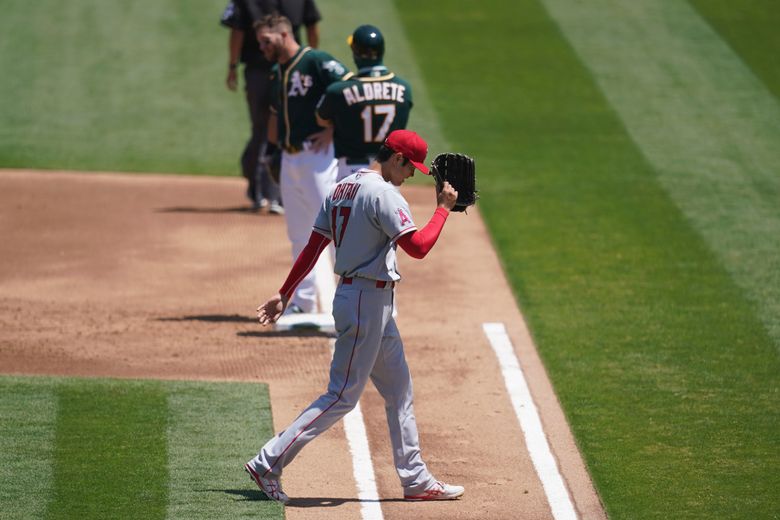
x=364 y=215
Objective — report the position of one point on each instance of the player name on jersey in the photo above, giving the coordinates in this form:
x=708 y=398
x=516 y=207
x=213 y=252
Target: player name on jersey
x=379 y=91
x=345 y=191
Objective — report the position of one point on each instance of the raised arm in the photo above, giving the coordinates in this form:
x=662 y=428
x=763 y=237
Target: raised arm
x=418 y=243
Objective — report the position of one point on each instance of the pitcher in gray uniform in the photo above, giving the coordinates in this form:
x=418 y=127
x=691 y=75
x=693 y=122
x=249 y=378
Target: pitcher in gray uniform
x=366 y=217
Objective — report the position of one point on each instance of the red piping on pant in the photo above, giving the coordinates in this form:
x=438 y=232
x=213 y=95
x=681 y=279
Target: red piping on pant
x=349 y=366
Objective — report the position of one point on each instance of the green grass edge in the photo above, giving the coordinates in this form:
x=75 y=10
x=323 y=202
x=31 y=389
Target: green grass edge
x=86 y=432
x=666 y=376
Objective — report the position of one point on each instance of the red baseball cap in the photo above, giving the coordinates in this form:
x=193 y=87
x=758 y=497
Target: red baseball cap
x=411 y=146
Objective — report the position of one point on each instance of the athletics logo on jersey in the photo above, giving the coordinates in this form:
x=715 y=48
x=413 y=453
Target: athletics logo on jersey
x=404 y=218
x=299 y=84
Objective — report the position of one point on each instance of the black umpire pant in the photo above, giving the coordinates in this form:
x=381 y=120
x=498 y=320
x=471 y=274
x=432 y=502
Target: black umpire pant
x=258 y=98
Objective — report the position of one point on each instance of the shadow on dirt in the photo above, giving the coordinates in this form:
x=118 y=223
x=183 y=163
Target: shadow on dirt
x=297 y=333
x=212 y=318
x=192 y=209
x=263 y=333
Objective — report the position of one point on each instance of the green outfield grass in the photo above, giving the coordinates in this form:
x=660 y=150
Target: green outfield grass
x=662 y=362
x=118 y=86
x=628 y=179
x=99 y=448
x=750 y=28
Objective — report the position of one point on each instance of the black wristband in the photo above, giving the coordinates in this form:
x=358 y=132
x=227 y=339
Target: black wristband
x=271 y=148
x=233 y=66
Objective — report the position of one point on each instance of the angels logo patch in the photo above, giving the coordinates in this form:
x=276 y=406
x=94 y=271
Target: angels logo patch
x=403 y=217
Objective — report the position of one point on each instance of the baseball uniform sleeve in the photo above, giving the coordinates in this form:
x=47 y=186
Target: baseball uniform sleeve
x=304 y=263
x=325 y=105
x=331 y=69
x=311 y=14
x=231 y=16
x=322 y=222
x=417 y=244
x=275 y=90
x=393 y=214
x=408 y=95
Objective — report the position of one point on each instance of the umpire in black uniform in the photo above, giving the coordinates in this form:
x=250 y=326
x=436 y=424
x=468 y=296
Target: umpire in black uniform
x=239 y=16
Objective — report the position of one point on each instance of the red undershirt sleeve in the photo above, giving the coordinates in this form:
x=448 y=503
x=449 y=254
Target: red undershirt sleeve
x=418 y=243
x=304 y=263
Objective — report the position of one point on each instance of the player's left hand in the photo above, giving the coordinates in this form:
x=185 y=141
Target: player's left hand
x=321 y=140
x=271 y=310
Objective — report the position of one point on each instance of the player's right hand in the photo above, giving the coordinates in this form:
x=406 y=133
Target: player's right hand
x=271 y=310
x=446 y=196
x=321 y=140
x=232 y=80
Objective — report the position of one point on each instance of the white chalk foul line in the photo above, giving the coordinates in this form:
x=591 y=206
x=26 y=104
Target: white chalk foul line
x=362 y=467
x=525 y=409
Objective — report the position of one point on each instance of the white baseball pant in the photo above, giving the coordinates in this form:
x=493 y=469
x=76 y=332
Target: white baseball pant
x=306 y=178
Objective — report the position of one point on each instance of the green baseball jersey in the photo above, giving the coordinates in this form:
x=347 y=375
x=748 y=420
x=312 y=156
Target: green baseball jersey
x=297 y=86
x=365 y=109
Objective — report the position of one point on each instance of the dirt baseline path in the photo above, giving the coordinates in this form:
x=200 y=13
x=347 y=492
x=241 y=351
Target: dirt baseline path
x=156 y=276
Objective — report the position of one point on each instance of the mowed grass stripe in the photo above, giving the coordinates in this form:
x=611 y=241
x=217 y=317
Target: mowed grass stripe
x=96 y=96
x=110 y=457
x=666 y=375
x=751 y=30
x=709 y=127
x=118 y=86
x=210 y=436
x=27 y=418
x=101 y=448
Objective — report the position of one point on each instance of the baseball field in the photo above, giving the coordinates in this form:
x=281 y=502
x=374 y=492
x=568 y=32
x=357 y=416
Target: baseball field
x=627 y=236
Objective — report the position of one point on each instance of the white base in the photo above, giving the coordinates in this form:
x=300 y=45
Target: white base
x=306 y=321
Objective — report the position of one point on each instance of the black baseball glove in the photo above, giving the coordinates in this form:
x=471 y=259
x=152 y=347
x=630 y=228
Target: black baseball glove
x=457 y=169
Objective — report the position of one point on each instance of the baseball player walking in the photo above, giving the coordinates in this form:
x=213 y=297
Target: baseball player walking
x=364 y=109
x=308 y=168
x=365 y=216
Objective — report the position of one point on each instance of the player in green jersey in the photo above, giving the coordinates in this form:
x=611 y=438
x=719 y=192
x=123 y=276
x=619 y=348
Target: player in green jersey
x=364 y=109
x=308 y=168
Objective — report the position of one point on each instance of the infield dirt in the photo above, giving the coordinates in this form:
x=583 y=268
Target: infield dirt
x=156 y=276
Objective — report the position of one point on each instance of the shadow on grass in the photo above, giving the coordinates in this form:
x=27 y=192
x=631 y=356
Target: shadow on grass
x=244 y=494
